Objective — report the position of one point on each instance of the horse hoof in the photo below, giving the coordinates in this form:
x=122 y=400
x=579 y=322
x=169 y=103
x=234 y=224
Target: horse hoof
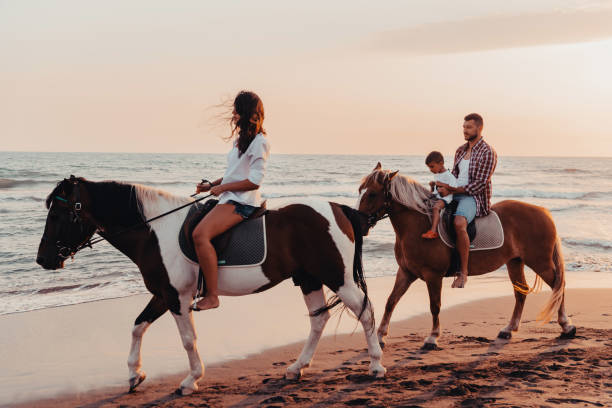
x=182 y=391
x=135 y=382
x=293 y=376
x=430 y=346
x=504 y=335
x=378 y=372
x=570 y=334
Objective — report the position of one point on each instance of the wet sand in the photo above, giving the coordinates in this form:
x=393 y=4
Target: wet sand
x=471 y=368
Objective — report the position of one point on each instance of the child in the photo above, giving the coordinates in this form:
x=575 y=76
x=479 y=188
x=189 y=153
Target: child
x=435 y=162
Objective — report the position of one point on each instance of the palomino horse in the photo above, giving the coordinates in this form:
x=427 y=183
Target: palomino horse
x=314 y=242
x=530 y=238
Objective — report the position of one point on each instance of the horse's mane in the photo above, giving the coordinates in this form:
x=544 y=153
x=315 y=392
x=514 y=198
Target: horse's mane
x=404 y=190
x=158 y=199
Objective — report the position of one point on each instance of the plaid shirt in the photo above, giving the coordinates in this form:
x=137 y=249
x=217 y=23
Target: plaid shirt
x=483 y=160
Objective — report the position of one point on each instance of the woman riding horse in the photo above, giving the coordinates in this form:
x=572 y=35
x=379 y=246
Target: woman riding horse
x=238 y=190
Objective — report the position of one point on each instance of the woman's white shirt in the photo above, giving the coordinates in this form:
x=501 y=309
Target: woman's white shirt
x=251 y=165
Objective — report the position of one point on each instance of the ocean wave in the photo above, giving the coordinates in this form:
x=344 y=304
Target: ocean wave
x=379 y=247
x=589 y=243
x=10 y=183
x=572 y=195
x=325 y=194
x=575 y=171
x=27 y=198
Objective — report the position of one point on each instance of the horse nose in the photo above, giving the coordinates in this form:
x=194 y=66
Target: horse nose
x=40 y=260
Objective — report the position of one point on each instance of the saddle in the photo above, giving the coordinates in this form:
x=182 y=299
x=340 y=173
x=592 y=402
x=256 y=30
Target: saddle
x=484 y=233
x=242 y=245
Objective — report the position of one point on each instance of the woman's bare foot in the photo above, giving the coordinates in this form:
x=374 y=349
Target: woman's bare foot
x=460 y=281
x=207 y=302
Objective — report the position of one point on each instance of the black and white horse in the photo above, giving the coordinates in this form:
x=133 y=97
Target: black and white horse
x=312 y=241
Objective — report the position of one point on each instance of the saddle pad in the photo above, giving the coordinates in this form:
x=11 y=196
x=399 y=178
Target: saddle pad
x=242 y=245
x=489 y=233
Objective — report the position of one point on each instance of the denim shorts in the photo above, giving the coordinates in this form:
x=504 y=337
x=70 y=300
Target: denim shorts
x=466 y=206
x=243 y=210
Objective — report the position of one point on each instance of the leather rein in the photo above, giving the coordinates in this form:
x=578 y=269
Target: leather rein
x=66 y=251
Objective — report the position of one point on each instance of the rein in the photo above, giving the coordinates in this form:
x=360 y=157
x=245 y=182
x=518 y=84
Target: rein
x=67 y=251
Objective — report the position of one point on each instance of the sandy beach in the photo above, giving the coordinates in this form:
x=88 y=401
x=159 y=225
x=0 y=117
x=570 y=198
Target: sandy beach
x=472 y=367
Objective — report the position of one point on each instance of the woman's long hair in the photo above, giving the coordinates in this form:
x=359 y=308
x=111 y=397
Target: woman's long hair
x=250 y=110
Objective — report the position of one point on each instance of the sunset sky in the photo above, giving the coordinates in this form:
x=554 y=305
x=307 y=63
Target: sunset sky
x=338 y=77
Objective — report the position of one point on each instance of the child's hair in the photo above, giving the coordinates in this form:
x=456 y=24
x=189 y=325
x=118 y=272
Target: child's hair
x=434 y=156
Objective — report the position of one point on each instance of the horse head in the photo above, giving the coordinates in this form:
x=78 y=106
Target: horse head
x=69 y=223
x=375 y=194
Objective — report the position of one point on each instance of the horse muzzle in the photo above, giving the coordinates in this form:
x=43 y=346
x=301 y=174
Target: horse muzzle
x=50 y=263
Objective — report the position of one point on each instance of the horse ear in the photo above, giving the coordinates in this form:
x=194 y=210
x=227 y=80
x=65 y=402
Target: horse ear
x=391 y=175
x=378 y=166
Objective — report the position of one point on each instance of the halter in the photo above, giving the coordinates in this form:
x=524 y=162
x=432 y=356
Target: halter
x=382 y=212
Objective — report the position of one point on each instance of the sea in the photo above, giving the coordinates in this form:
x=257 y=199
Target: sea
x=577 y=191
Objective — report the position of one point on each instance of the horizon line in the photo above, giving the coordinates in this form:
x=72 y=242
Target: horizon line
x=296 y=154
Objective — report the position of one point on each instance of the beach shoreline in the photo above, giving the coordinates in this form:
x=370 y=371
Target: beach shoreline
x=468 y=336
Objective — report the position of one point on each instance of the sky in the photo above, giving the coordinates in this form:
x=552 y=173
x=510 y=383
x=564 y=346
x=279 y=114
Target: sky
x=341 y=77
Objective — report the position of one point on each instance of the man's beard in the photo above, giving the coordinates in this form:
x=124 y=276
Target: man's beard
x=471 y=137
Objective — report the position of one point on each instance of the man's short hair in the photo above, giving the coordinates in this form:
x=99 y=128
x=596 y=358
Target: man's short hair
x=435 y=157
x=476 y=118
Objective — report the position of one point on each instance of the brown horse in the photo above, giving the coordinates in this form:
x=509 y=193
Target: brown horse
x=317 y=243
x=530 y=238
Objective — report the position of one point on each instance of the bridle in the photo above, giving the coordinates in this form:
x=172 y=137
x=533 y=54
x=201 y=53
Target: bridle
x=385 y=209
x=66 y=251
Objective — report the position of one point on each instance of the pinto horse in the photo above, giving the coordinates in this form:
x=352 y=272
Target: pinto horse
x=530 y=238
x=313 y=242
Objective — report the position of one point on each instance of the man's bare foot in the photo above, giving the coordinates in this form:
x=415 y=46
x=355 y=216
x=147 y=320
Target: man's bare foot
x=207 y=302
x=460 y=281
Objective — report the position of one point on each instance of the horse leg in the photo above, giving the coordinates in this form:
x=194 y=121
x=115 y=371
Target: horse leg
x=314 y=300
x=184 y=322
x=154 y=309
x=434 y=287
x=517 y=276
x=553 y=273
x=403 y=280
x=569 y=330
x=353 y=298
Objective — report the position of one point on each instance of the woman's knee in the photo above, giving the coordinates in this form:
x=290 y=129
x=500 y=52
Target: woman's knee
x=201 y=234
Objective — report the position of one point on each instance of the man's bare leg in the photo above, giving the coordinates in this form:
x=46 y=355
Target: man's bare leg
x=463 y=248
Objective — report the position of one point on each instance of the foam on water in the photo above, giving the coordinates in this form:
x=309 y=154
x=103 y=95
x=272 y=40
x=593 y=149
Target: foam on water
x=580 y=207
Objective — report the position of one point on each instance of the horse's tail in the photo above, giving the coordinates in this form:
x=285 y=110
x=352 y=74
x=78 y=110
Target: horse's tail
x=558 y=290
x=354 y=217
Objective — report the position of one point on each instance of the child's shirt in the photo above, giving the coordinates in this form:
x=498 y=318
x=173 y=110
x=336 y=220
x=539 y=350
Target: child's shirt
x=448 y=178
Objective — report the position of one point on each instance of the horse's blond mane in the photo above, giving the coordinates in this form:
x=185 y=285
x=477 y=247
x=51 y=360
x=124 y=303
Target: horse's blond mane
x=410 y=193
x=404 y=190
x=151 y=197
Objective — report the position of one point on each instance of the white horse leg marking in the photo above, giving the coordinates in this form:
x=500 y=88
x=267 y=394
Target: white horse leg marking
x=134 y=360
x=186 y=328
x=314 y=300
x=352 y=297
x=564 y=320
x=350 y=294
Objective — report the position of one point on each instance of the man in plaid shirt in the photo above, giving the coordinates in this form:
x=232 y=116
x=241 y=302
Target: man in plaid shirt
x=474 y=165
